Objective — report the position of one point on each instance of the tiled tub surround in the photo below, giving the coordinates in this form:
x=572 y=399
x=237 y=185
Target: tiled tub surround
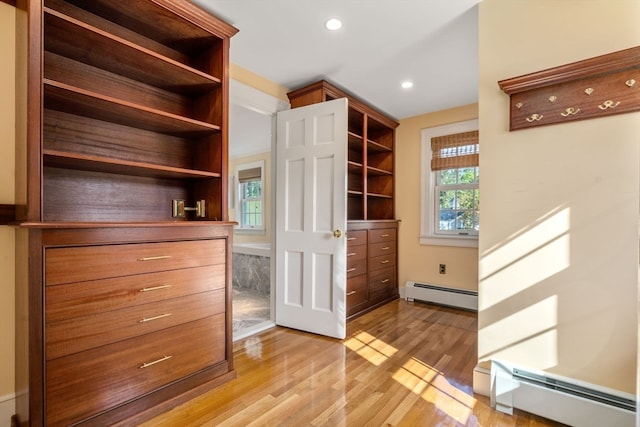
x=251 y=284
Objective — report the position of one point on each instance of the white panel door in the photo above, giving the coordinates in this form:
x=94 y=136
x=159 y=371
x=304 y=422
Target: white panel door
x=311 y=218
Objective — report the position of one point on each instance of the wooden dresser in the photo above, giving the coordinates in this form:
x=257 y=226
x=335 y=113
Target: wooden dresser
x=124 y=245
x=371 y=227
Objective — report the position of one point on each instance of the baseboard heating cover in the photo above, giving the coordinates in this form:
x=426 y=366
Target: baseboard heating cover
x=565 y=400
x=459 y=298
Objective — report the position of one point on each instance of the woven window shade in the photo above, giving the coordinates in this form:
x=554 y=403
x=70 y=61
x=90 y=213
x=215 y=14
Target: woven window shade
x=459 y=150
x=246 y=175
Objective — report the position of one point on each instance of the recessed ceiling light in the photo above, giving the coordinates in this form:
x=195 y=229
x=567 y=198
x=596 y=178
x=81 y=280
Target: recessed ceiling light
x=407 y=84
x=333 y=24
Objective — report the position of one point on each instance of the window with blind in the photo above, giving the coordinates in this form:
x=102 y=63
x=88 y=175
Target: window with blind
x=450 y=184
x=250 y=196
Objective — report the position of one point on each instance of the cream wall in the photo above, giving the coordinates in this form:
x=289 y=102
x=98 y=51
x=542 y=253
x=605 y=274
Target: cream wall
x=559 y=242
x=419 y=262
x=7 y=196
x=266 y=237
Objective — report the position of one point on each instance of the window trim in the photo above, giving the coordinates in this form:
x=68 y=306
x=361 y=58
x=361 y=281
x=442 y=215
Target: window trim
x=240 y=228
x=428 y=186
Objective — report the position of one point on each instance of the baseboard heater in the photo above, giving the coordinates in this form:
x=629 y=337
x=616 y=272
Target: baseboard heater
x=459 y=298
x=557 y=398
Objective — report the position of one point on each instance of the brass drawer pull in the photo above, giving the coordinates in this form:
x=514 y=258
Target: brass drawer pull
x=384 y=235
x=162 y=359
x=384 y=261
x=385 y=281
x=351 y=254
x=351 y=293
x=351 y=269
x=386 y=248
x=154 y=288
x=149 y=319
x=154 y=258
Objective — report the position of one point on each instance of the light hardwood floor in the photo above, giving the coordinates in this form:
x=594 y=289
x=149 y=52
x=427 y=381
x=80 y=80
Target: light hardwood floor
x=404 y=364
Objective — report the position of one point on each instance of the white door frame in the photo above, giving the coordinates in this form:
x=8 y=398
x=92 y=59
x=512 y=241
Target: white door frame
x=253 y=99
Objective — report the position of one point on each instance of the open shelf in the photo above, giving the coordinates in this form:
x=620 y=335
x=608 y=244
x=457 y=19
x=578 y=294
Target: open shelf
x=374 y=147
x=378 y=172
x=91 y=163
x=63 y=97
x=79 y=41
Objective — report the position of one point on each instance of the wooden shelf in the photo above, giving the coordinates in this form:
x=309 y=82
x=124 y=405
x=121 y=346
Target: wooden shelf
x=378 y=172
x=63 y=97
x=378 y=148
x=379 y=196
x=79 y=41
x=354 y=166
x=90 y=163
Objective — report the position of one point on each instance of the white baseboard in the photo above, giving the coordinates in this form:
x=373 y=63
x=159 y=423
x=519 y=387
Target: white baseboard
x=7 y=409
x=482 y=381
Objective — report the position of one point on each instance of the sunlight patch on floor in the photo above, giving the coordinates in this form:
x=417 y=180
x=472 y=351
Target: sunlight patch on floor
x=370 y=348
x=433 y=387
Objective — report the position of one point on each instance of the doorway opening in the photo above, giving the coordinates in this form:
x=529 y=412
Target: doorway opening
x=251 y=131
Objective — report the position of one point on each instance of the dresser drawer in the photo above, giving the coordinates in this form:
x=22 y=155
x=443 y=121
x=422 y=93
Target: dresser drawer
x=355 y=268
x=382 y=279
x=382 y=235
x=356 y=291
x=356 y=253
x=76 y=264
x=356 y=238
x=97 y=296
x=382 y=261
x=83 y=333
x=107 y=376
x=380 y=249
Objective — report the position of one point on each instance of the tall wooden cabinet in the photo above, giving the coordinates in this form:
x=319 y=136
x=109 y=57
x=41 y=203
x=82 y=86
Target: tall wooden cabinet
x=124 y=249
x=371 y=227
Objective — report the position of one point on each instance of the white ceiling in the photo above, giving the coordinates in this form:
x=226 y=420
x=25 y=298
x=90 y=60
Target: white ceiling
x=433 y=43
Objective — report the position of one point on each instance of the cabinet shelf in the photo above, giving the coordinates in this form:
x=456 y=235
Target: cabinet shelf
x=378 y=172
x=375 y=147
x=354 y=193
x=354 y=167
x=63 y=97
x=378 y=196
x=79 y=41
x=90 y=163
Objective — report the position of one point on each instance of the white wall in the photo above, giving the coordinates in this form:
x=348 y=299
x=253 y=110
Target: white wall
x=559 y=242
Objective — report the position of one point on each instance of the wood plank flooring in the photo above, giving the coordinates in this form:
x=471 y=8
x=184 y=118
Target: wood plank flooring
x=404 y=364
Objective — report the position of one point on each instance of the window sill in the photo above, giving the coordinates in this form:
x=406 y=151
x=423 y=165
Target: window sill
x=463 y=242
x=253 y=231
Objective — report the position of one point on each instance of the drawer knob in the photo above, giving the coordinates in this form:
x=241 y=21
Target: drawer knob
x=154 y=258
x=385 y=281
x=351 y=293
x=149 y=319
x=147 y=364
x=350 y=238
x=384 y=261
x=154 y=288
x=386 y=248
x=384 y=235
x=351 y=254
x=349 y=270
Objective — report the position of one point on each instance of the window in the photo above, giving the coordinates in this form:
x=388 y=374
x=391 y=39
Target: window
x=450 y=194
x=250 y=196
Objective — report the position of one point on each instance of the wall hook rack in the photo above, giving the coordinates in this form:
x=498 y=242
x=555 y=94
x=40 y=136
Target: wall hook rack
x=592 y=88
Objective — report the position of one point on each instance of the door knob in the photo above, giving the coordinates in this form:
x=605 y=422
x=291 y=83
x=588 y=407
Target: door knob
x=337 y=233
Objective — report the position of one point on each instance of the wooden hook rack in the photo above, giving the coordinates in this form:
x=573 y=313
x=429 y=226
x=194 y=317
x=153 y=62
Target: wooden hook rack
x=595 y=87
